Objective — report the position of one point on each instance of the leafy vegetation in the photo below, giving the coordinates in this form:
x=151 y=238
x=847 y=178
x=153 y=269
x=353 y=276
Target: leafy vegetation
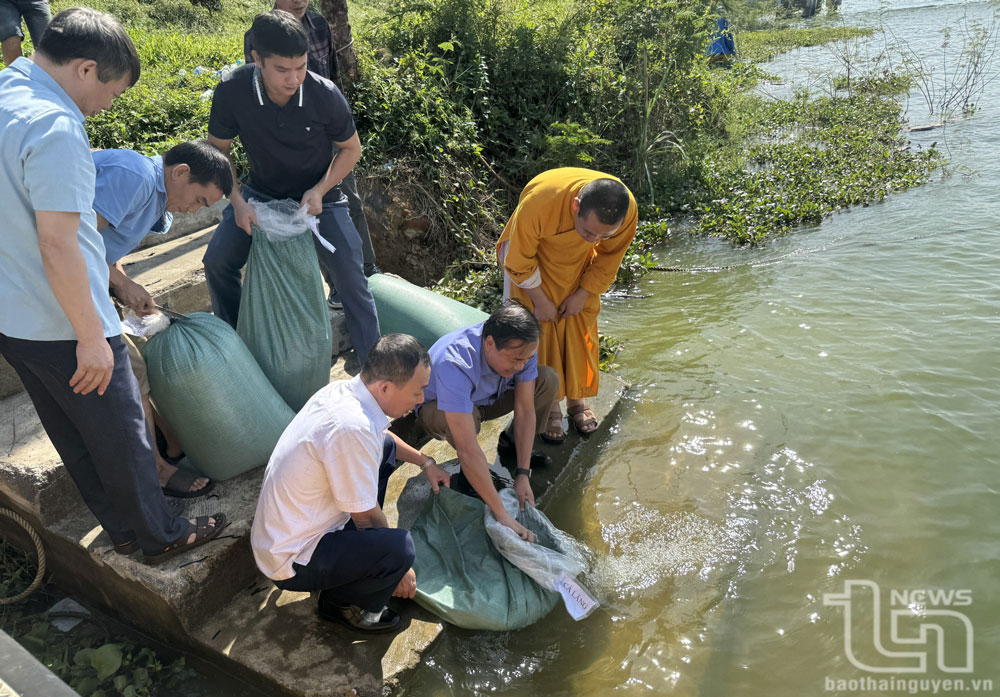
x=800 y=162
x=92 y=658
x=763 y=45
x=461 y=102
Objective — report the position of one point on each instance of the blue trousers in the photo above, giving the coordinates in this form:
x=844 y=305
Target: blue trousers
x=229 y=249
x=102 y=440
x=358 y=567
x=36 y=14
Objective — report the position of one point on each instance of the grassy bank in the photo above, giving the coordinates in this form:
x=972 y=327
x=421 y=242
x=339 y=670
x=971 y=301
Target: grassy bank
x=462 y=101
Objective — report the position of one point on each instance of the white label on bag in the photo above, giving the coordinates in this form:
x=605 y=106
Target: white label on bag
x=578 y=602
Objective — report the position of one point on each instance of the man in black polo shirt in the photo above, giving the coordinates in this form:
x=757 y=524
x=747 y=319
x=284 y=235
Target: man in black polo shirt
x=323 y=62
x=290 y=121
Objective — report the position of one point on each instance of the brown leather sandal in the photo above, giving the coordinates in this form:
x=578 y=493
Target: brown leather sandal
x=583 y=419
x=554 y=423
x=203 y=532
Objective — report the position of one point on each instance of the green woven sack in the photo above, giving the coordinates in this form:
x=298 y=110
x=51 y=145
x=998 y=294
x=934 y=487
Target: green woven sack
x=208 y=387
x=283 y=319
x=461 y=576
x=408 y=309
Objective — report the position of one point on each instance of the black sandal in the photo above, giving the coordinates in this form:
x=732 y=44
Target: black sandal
x=179 y=485
x=203 y=532
x=127 y=548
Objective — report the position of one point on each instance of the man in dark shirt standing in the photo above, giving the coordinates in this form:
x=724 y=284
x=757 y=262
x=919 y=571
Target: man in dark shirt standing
x=290 y=121
x=323 y=61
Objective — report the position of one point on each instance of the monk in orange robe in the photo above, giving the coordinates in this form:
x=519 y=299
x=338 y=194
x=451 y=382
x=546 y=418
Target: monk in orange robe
x=560 y=251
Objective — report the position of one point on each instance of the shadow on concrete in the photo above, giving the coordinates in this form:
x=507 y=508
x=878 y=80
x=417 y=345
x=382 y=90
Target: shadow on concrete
x=278 y=634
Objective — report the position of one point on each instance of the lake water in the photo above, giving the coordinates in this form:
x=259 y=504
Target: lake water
x=827 y=418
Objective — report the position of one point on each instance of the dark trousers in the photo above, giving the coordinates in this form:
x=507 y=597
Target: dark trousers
x=358 y=567
x=357 y=210
x=229 y=249
x=36 y=14
x=102 y=440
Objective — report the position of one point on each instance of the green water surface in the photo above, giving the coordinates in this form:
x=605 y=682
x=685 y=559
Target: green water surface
x=792 y=426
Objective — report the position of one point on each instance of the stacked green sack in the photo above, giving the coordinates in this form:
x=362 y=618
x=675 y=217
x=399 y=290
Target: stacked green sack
x=284 y=319
x=463 y=578
x=404 y=308
x=208 y=387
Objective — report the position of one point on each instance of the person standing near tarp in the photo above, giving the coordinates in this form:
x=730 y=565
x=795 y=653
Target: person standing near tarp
x=136 y=195
x=36 y=15
x=290 y=121
x=58 y=327
x=319 y=524
x=560 y=251
x=484 y=372
x=323 y=62
x=723 y=46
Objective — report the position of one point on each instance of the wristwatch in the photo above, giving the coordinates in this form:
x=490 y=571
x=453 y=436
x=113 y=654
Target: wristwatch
x=520 y=470
x=427 y=463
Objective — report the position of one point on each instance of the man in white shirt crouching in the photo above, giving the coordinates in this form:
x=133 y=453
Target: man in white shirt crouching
x=319 y=524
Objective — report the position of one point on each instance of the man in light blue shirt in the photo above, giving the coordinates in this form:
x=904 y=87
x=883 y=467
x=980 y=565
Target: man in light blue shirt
x=58 y=327
x=134 y=196
x=484 y=372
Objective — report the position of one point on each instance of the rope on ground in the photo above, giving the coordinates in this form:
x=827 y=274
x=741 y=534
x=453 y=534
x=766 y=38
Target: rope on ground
x=39 y=552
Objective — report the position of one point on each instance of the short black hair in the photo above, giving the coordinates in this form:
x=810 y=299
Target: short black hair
x=278 y=33
x=512 y=322
x=208 y=164
x=81 y=32
x=395 y=358
x=608 y=198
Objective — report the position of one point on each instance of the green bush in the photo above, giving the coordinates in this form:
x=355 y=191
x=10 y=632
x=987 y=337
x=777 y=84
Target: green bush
x=499 y=60
x=460 y=102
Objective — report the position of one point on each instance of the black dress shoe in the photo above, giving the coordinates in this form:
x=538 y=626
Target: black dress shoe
x=354 y=617
x=507 y=451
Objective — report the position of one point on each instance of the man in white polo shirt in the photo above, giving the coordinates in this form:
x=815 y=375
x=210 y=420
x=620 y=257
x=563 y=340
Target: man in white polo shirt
x=319 y=524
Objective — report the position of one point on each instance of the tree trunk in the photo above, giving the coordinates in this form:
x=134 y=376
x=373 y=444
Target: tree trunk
x=335 y=12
